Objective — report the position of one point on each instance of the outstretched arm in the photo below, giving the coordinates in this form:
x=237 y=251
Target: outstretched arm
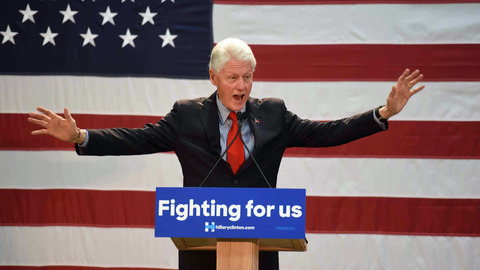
x=64 y=129
x=401 y=93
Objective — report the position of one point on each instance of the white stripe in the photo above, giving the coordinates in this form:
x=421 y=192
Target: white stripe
x=348 y=24
x=98 y=95
x=334 y=251
x=122 y=247
x=320 y=176
x=439 y=101
x=65 y=169
x=435 y=178
x=83 y=246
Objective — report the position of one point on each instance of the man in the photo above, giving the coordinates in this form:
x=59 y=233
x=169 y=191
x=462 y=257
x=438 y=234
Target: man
x=199 y=132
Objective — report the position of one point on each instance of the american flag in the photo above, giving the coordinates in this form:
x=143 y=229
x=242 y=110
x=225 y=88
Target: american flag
x=107 y=38
x=408 y=198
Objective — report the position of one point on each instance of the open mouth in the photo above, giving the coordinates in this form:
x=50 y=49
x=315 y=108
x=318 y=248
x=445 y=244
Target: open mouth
x=238 y=97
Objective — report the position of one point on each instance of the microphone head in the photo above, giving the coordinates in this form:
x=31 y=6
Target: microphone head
x=241 y=116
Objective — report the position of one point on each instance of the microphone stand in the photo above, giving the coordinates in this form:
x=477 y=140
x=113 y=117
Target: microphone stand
x=255 y=161
x=239 y=114
x=241 y=117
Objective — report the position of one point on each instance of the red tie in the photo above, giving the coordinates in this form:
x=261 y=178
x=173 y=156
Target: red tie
x=236 y=154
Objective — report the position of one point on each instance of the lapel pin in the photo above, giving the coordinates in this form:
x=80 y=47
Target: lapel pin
x=257 y=121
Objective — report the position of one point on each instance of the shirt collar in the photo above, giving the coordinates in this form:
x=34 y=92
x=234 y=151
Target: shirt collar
x=223 y=111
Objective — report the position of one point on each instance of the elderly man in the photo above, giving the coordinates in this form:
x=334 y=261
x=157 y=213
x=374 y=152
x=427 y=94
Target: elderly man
x=200 y=130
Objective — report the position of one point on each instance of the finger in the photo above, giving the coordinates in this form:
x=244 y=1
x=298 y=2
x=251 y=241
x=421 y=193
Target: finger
x=416 y=80
x=39 y=116
x=412 y=76
x=40 y=132
x=41 y=109
x=37 y=122
x=416 y=90
x=404 y=75
x=392 y=93
x=67 y=114
x=47 y=112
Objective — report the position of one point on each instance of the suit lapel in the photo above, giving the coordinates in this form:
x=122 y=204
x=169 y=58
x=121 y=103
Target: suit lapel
x=209 y=118
x=255 y=116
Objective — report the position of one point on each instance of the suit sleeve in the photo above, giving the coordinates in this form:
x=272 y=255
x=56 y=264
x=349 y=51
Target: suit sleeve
x=308 y=133
x=152 y=138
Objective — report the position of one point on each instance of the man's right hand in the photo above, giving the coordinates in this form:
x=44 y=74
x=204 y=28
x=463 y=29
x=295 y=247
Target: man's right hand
x=64 y=129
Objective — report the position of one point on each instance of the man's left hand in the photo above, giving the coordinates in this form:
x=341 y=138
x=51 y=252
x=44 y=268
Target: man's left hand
x=401 y=93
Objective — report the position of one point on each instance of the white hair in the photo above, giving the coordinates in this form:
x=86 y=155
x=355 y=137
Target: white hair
x=230 y=48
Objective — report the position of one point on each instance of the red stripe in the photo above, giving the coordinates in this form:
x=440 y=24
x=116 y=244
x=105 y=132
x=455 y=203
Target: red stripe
x=73 y=207
x=409 y=139
x=337 y=2
x=417 y=139
x=411 y=216
x=376 y=215
x=18 y=136
x=366 y=62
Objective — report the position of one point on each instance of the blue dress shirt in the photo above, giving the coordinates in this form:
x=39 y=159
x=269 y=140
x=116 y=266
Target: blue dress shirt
x=224 y=125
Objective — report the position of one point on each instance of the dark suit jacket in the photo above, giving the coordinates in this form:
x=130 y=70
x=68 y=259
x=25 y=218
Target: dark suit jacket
x=191 y=130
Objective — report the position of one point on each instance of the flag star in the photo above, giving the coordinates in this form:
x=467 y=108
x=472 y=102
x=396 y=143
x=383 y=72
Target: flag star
x=147 y=16
x=28 y=14
x=68 y=14
x=48 y=37
x=128 y=39
x=8 y=35
x=88 y=37
x=168 y=39
x=108 y=16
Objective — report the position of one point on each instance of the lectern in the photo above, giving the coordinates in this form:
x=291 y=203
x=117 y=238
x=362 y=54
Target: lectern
x=239 y=253
x=236 y=222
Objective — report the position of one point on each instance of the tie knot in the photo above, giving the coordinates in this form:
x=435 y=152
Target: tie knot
x=233 y=116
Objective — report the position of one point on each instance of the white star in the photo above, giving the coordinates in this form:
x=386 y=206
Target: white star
x=133 y=1
x=108 y=16
x=128 y=39
x=88 y=37
x=48 y=37
x=8 y=35
x=168 y=39
x=28 y=14
x=173 y=1
x=68 y=14
x=147 y=16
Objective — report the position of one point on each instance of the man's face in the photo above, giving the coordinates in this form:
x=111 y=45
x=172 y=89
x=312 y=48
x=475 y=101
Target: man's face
x=234 y=83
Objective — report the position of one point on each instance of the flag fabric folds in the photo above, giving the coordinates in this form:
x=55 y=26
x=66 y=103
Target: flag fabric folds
x=408 y=198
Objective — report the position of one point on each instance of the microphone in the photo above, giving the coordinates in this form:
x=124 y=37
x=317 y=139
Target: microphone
x=240 y=116
x=241 y=119
x=248 y=150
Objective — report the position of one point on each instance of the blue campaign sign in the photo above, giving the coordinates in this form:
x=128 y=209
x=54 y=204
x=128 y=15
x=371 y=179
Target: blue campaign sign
x=230 y=213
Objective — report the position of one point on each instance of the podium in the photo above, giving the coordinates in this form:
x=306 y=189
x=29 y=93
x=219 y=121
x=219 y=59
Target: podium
x=239 y=253
x=236 y=222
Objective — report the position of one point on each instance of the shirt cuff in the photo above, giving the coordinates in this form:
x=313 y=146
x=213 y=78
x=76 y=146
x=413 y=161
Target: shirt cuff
x=84 y=144
x=382 y=125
